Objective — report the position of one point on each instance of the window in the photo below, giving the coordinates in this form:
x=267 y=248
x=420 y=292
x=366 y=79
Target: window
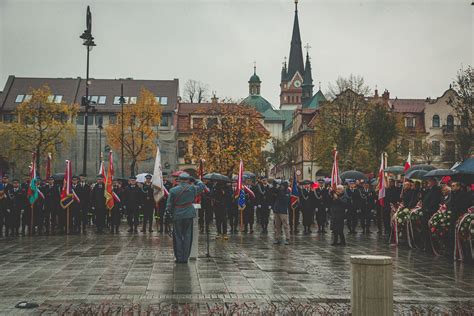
x=80 y=119
x=94 y=99
x=450 y=123
x=19 y=98
x=435 y=148
x=182 y=148
x=58 y=98
x=116 y=100
x=212 y=122
x=50 y=98
x=450 y=151
x=165 y=120
x=102 y=99
x=417 y=147
x=27 y=97
x=90 y=119
x=410 y=122
x=164 y=100
x=112 y=119
x=197 y=123
x=465 y=121
x=435 y=122
x=133 y=100
x=99 y=120
x=9 y=118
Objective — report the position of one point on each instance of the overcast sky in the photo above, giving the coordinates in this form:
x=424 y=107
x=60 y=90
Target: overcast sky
x=411 y=47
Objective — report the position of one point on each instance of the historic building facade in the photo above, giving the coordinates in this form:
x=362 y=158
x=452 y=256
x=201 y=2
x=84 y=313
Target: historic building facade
x=105 y=94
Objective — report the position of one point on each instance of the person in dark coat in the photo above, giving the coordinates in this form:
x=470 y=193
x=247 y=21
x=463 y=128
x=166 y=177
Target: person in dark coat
x=407 y=193
x=262 y=201
x=320 y=201
x=369 y=200
x=417 y=194
x=98 y=203
x=4 y=211
x=460 y=202
x=339 y=208
x=148 y=204
x=38 y=210
x=18 y=204
x=220 y=198
x=52 y=194
x=132 y=202
x=281 y=205
x=84 y=193
x=234 y=214
x=392 y=196
x=308 y=205
x=355 y=205
x=431 y=203
x=249 y=211
x=6 y=183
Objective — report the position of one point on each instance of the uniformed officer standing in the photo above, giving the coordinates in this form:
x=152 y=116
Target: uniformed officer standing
x=321 y=213
x=52 y=196
x=339 y=206
x=148 y=204
x=38 y=209
x=132 y=202
x=220 y=197
x=249 y=211
x=181 y=209
x=6 y=183
x=18 y=203
x=98 y=203
x=84 y=193
x=308 y=205
x=116 y=212
x=431 y=202
x=355 y=204
x=75 y=207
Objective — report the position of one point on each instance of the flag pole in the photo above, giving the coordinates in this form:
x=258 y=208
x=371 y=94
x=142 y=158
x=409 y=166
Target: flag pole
x=32 y=216
x=67 y=218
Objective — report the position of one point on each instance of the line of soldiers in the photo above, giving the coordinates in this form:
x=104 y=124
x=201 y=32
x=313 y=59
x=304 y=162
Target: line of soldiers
x=46 y=215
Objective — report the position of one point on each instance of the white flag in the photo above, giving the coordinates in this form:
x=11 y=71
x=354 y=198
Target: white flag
x=159 y=190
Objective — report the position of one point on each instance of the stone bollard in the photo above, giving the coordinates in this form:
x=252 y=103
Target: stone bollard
x=372 y=286
x=195 y=243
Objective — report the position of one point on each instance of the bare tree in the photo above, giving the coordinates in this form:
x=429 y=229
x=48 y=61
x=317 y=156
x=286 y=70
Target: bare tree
x=355 y=83
x=195 y=91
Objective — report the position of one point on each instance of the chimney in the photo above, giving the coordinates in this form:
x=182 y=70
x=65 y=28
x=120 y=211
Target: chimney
x=386 y=95
x=214 y=98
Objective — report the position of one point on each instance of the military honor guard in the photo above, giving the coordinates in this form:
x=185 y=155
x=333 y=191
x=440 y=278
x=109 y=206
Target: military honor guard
x=148 y=204
x=132 y=202
x=98 y=203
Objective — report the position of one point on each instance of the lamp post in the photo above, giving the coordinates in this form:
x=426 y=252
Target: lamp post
x=88 y=41
x=122 y=101
x=100 y=127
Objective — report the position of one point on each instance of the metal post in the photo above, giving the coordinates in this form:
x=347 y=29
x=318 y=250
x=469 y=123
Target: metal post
x=122 y=136
x=84 y=158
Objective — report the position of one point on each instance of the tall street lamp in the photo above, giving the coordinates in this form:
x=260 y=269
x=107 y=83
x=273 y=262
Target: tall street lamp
x=88 y=41
x=122 y=101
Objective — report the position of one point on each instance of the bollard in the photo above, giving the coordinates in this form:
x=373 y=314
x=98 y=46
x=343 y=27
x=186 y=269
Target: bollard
x=195 y=243
x=372 y=286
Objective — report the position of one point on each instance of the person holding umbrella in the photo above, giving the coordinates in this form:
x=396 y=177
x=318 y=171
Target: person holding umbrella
x=180 y=208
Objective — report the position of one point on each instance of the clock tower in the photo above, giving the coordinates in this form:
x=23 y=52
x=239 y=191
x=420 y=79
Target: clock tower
x=293 y=78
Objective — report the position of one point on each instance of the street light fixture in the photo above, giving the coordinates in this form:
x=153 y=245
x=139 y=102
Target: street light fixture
x=88 y=41
x=122 y=101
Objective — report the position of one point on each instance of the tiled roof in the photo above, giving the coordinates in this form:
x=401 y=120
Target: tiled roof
x=72 y=90
x=408 y=105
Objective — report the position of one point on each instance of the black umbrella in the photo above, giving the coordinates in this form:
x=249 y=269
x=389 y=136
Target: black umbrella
x=416 y=174
x=466 y=167
x=420 y=167
x=439 y=173
x=306 y=182
x=353 y=175
x=249 y=174
x=214 y=176
x=395 y=169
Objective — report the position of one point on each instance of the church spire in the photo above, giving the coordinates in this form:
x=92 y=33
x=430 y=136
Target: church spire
x=307 y=78
x=254 y=82
x=296 y=54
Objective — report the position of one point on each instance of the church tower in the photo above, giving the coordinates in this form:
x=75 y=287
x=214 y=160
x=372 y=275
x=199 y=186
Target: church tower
x=254 y=82
x=307 y=80
x=292 y=75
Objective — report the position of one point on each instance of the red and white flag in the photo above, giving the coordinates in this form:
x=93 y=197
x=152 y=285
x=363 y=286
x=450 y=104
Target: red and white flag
x=157 y=182
x=407 y=163
x=109 y=192
x=335 y=179
x=382 y=183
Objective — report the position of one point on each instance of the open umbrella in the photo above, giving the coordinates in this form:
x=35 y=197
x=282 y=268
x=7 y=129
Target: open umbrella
x=353 y=175
x=177 y=173
x=395 y=169
x=306 y=182
x=214 y=176
x=249 y=174
x=466 y=167
x=420 y=167
x=416 y=174
x=439 y=173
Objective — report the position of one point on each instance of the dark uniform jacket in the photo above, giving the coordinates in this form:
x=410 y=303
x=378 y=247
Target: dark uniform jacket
x=432 y=199
x=97 y=198
x=132 y=197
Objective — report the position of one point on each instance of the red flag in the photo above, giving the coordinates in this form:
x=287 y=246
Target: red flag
x=109 y=192
x=335 y=179
x=48 y=166
x=294 y=190
x=67 y=196
x=239 y=179
x=407 y=163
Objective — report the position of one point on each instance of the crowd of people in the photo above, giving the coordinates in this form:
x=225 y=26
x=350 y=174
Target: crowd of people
x=317 y=206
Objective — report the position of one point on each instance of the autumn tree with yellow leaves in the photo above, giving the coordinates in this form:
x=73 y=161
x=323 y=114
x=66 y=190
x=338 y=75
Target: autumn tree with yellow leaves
x=226 y=133
x=140 y=133
x=43 y=125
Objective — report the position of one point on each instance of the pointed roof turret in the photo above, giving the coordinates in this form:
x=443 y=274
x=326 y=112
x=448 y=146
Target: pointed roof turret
x=284 y=71
x=296 y=53
x=308 y=77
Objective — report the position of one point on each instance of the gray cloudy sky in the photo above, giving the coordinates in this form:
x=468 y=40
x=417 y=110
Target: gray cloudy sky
x=411 y=47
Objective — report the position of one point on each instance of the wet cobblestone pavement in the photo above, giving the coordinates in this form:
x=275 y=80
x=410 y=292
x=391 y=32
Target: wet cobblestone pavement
x=122 y=274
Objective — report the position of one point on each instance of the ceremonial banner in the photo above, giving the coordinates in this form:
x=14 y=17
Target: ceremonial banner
x=109 y=192
x=294 y=190
x=382 y=184
x=67 y=195
x=335 y=179
x=407 y=163
x=159 y=189
x=33 y=193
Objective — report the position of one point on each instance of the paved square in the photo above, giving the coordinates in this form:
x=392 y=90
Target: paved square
x=61 y=272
